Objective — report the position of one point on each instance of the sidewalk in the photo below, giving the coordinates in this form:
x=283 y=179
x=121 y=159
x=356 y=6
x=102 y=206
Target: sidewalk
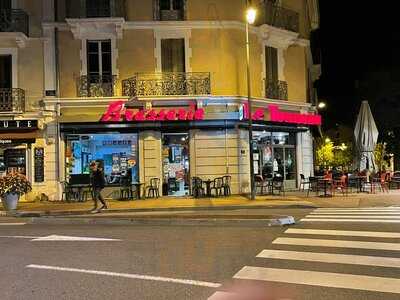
x=168 y=204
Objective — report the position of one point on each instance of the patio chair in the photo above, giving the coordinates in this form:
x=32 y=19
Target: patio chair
x=197 y=187
x=68 y=193
x=341 y=185
x=153 y=188
x=216 y=186
x=125 y=190
x=260 y=184
x=278 y=185
x=226 y=185
x=303 y=182
x=313 y=186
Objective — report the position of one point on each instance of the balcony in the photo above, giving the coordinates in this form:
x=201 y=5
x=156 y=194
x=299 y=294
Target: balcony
x=171 y=15
x=96 y=86
x=14 y=20
x=12 y=101
x=276 y=89
x=76 y=9
x=167 y=84
x=280 y=17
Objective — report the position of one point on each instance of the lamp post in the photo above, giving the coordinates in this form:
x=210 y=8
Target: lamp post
x=250 y=18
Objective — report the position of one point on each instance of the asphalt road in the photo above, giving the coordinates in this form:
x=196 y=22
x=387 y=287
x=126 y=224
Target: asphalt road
x=207 y=262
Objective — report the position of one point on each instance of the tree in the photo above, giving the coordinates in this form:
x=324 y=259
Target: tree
x=324 y=154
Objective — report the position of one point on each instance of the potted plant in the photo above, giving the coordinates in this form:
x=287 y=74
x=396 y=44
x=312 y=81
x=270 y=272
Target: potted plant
x=12 y=186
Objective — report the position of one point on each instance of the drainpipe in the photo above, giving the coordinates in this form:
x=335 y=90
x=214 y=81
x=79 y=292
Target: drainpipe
x=57 y=70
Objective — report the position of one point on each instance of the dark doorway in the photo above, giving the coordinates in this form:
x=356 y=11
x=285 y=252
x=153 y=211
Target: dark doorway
x=5 y=71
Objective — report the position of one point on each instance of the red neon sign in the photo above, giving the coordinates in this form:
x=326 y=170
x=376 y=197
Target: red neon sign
x=276 y=115
x=116 y=112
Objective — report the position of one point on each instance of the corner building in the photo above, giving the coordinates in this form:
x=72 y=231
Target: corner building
x=174 y=75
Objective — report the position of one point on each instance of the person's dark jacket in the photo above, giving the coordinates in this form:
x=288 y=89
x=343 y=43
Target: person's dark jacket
x=97 y=179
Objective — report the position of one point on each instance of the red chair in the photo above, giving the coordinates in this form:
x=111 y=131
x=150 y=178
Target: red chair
x=342 y=185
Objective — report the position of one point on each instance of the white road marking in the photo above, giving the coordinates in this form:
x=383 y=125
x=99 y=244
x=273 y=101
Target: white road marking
x=389 y=262
x=354 y=217
x=357 y=209
x=126 y=275
x=377 y=234
x=222 y=296
x=334 y=280
x=12 y=224
x=338 y=244
x=356 y=213
x=72 y=239
x=350 y=220
x=18 y=237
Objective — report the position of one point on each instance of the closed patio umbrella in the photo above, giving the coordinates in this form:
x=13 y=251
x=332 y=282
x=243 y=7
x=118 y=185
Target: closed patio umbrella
x=366 y=137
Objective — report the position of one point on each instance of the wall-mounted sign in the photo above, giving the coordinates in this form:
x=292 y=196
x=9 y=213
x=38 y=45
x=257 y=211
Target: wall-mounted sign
x=39 y=164
x=116 y=112
x=16 y=141
x=18 y=125
x=276 y=115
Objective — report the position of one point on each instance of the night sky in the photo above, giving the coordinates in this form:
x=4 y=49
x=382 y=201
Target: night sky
x=360 y=43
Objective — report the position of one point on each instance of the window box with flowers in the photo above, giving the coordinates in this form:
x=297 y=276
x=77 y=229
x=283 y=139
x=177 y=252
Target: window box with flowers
x=12 y=186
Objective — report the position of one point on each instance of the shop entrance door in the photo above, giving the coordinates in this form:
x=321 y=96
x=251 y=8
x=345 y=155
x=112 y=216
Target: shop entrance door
x=175 y=157
x=284 y=165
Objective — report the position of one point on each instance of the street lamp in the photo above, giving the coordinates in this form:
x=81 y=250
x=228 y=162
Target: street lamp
x=321 y=105
x=250 y=18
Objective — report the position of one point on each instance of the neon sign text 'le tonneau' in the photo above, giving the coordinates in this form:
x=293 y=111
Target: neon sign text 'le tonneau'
x=276 y=115
x=116 y=112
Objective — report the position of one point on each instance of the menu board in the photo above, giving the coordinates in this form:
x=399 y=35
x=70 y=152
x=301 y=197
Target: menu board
x=39 y=164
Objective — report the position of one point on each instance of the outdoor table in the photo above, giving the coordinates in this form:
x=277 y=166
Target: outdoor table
x=138 y=189
x=208 y=187
x=325 y=181
x=359 y=180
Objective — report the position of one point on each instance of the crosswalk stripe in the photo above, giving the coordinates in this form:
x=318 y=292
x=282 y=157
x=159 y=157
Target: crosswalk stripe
x=356 y=209
x=377 y=261
x=337 y=243
x=313 y=278
x=350 y=220
x=376 y=234
x=221 y=296
x=356 y=213
x=12 y=224
x=354 y=217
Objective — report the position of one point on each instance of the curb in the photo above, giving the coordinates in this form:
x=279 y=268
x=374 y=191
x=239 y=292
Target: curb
x=281 y=221
x=162 y=209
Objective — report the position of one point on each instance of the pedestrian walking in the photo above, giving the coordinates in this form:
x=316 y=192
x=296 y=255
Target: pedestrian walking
x=98 y=182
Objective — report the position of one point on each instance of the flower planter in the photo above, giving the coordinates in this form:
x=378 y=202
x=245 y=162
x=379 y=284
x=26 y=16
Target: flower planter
x=10 y=201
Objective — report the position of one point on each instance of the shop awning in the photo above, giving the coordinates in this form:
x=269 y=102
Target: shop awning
x=8 y=138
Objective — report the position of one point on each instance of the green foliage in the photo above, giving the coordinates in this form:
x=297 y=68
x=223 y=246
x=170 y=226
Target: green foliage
x=14 y=183
x=328 y=155
x=380 y=154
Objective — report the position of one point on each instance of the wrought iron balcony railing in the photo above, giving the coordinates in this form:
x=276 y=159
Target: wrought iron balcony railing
x=96 y=85
x=12 y=101
x=276 y=89
x=167 y=84
x=14 y=20
x=95 y=9
x=281 y=17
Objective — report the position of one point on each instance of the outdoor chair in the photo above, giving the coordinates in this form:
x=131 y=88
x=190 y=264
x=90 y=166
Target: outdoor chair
x=395 y=180
x=197 y=187
x=278 y=185
x=313 y=186
x=341 y=185
x=125 y=189
x=86 y=193
x=153 y=188
x=259 y=184
x=216 y=186
x=226 y=185
x=68 y=193
x=303 y=182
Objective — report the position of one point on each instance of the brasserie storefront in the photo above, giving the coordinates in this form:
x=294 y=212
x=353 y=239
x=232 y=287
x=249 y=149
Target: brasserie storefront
x=135 y=141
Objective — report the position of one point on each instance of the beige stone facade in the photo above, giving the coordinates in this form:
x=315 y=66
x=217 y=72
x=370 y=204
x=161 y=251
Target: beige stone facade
x=51 y=64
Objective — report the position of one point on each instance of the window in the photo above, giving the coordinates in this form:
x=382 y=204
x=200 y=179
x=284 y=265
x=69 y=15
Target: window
x=170 y=10
x=173 y=55
x=99 y=61
x=98 y=8
x=271 y=59
x=116 y=153
x=5 y=71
